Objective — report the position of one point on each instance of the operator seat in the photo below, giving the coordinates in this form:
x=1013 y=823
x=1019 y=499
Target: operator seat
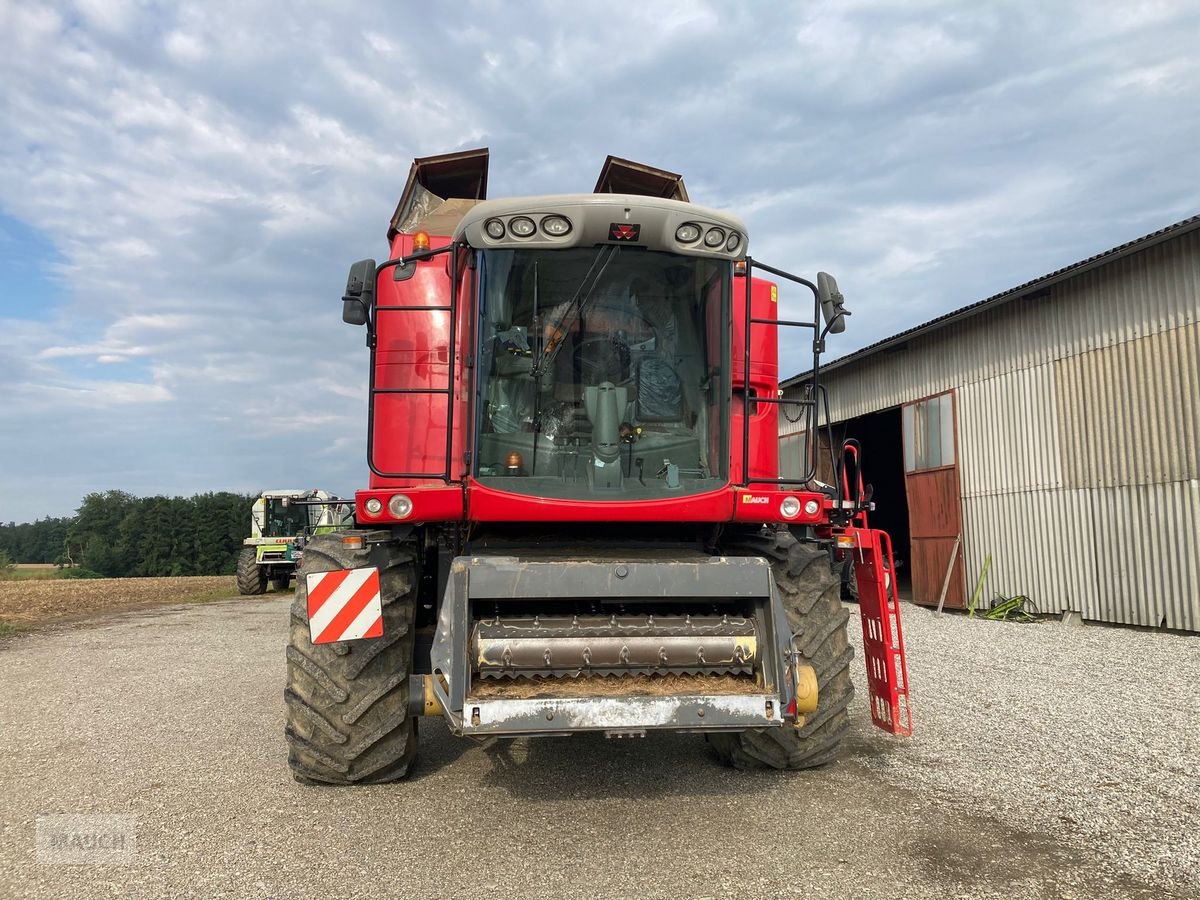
x=659 y=391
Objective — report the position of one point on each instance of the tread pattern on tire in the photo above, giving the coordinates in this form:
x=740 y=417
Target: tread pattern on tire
x=251 y=577
x=347 y=702
x=810 y=592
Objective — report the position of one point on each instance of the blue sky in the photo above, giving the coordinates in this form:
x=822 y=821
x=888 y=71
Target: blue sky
x=183 y=186
x=29 y=288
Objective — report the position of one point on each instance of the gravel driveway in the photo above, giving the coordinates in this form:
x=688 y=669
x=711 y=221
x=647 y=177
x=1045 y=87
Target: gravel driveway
x=1048 y=761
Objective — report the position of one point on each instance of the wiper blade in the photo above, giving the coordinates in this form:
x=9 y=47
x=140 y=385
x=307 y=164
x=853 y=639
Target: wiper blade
x=575 y=307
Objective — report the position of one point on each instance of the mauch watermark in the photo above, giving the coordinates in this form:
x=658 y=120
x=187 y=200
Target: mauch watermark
x=87 y=839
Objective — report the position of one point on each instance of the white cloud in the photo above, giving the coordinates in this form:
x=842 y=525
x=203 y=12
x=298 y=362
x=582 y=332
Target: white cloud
x=186 y=48
x=106 y=15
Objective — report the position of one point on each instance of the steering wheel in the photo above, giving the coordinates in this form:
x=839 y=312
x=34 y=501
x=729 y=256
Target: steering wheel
x=600 y=359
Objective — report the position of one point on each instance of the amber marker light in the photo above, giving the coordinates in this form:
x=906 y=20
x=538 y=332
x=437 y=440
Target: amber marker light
x=420 y=241
x=739 y=268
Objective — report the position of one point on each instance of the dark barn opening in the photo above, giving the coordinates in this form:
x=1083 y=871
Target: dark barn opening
x=882 y=454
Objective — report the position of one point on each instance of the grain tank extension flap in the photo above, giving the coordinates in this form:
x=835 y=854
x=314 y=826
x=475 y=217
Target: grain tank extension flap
x=439 y=191
x=624 y=176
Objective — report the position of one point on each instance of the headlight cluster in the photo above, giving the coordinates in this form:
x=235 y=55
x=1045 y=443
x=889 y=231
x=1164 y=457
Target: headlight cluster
x=714 y=236
x=399 y=506
x=525 y=227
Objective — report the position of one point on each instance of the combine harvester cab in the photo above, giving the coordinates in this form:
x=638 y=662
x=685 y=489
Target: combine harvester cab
x=575 y=519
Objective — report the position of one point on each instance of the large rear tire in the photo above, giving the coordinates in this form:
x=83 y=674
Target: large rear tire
x=347 y=702
x=251 y=577
x=809 y=589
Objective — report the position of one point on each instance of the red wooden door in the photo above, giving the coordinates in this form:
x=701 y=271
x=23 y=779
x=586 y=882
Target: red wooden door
x=934 y=499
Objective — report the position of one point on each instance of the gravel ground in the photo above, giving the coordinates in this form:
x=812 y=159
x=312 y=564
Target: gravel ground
x=1088 y=734
x=1048 y=762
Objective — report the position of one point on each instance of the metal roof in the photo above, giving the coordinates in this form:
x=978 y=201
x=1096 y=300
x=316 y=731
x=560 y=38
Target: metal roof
x=1023 y=290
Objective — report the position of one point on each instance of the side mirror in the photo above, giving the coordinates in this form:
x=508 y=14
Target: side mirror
x=833 y=309
x=360 y=292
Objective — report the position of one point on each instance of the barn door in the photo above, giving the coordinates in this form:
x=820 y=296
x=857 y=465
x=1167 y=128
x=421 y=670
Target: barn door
x=934 y=500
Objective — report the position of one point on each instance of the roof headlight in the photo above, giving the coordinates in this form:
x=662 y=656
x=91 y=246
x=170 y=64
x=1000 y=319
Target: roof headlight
x=714 y=237
x=400 y=506
x=373 y=506
x=522 y=226
x=494 y=229
x=556 y=226
x=789 y=507
x=733 y=242
x=687 y=233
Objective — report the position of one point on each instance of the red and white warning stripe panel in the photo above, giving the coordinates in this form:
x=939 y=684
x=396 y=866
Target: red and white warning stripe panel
x=344 y=605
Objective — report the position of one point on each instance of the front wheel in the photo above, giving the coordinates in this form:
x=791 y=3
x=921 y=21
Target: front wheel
x=809 y=589
x=251 y=577
x=347 y=702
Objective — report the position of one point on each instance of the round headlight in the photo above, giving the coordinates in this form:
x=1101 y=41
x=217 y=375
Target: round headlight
x=789 y=507
x=687 y=233
x=714 y=238
x=494 y=228
x=811 y=508
x=556 y=226
x=400 y=506
x=521 y=226
x=373 y=506
x=735 y=241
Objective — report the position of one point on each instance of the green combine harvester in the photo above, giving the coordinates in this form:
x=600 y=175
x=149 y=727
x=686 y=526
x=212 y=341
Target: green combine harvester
x=281 y=522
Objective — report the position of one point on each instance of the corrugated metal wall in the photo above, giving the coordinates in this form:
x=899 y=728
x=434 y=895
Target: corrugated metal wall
x=1079 y=435
x=1129 y=413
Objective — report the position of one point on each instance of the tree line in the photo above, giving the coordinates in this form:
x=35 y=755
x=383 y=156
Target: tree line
x=118 y=535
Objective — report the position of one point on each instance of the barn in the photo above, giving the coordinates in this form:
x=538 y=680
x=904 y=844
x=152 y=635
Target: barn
x=1044 y=442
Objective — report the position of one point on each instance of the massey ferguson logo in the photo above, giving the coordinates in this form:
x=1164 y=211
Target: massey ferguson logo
x=619 y=231
x=751 y=498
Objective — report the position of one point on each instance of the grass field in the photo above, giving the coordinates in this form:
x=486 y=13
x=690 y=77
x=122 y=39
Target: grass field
x=31 y=573
x=28 y=603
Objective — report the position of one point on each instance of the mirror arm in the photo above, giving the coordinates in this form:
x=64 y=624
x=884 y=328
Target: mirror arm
x=839 y=317
x=413 y=257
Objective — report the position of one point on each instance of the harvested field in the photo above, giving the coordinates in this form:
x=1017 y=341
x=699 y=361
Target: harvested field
x=29 y=603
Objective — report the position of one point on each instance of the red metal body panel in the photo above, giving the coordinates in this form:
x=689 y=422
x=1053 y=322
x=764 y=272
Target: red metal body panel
x=764 y=379
x=761 y=504
x=486 y=504
x=412 y=348
x=430 y=503
x=479 y=503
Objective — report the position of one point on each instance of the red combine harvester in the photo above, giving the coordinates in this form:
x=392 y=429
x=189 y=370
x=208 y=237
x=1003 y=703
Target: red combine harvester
x=576 y=519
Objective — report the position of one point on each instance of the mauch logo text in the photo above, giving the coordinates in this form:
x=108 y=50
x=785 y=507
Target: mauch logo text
x=753 y=498
x=87 y=839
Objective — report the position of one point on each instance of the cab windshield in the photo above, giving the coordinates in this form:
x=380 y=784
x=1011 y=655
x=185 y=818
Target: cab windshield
x=284 y=519
x=600 y=373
